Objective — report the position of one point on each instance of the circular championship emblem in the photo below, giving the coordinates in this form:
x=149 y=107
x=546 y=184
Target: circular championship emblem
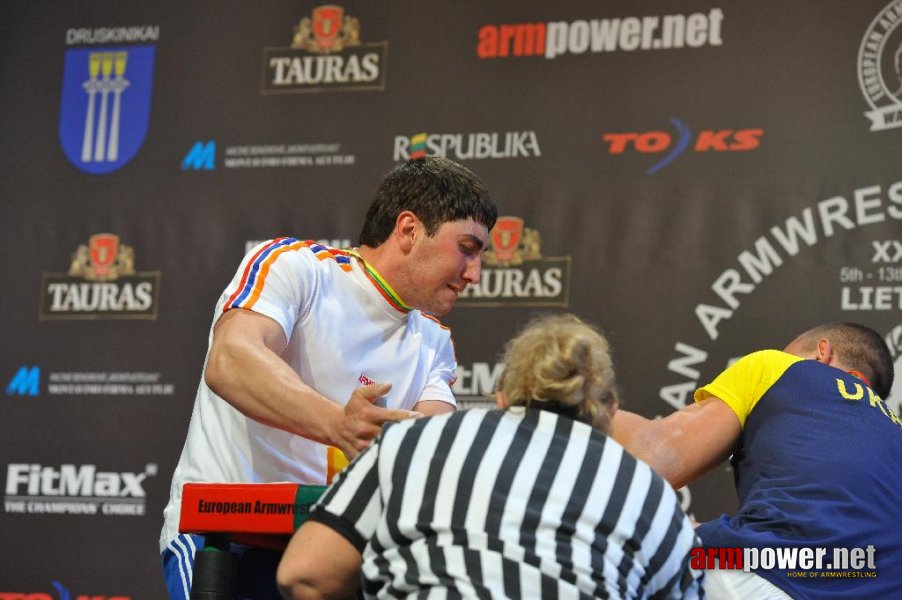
x=880 y=68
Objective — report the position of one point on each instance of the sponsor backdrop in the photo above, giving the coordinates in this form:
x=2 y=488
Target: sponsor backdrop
x=701 y=179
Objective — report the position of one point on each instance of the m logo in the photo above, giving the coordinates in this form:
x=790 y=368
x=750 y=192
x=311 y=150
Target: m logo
x=26 y=382
x=201 y=157
x=105 y=108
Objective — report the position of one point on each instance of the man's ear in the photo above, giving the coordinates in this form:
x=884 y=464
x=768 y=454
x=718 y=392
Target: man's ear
x=407 y=228
x=825 y=352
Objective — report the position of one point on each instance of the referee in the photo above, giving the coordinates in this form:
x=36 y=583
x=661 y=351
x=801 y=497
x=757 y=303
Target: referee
x=531 y=500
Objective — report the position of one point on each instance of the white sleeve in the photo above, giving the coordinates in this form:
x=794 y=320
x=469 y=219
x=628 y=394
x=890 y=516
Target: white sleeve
x=443 y=373
x=276 y=279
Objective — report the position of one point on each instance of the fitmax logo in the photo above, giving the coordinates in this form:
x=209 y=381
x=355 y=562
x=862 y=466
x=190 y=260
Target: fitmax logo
x=201 y=157
x=655 y=142
x=26 y=382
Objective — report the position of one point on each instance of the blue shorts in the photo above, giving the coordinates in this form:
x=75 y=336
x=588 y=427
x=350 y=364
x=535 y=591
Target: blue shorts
x=256 y=569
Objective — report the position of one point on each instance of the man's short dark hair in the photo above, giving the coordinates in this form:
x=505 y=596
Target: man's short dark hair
x=861 y=348
x=436 y=190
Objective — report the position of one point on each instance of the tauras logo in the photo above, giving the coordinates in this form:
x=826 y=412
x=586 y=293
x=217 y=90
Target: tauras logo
x=468 y=146
x=515 y=273
x=325 y=55
x=35 y=480
x=101 y=284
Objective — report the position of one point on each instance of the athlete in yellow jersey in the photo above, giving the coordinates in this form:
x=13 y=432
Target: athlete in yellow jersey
x=816 y=456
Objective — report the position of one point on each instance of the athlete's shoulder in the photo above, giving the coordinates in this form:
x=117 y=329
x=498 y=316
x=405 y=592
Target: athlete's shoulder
x=282 y=265
x=431 y=322
x=432 y=330
x=772 y=359
x=290 y=249
x=329 y=256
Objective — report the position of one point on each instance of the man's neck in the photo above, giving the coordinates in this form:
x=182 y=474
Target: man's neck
x=384 y=262
x=376 y=257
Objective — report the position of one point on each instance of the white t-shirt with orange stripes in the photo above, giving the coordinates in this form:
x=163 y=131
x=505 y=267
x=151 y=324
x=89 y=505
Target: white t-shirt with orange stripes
x=345 y=327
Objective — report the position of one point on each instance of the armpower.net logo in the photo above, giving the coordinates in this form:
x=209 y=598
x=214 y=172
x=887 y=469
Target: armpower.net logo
x=798 y=562
x=596 y=36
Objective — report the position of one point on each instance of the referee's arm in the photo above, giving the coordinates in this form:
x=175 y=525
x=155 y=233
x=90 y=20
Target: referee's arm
x=319 y=563
x=323 y=558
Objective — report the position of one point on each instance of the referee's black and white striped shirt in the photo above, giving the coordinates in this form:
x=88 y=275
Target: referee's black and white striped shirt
x=510 y=504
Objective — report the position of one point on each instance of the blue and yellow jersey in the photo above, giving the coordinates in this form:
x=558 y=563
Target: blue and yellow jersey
x=742 y=385
x=819 y=464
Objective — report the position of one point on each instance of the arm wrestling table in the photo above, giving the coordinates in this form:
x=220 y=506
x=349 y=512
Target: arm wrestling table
x=261 y=515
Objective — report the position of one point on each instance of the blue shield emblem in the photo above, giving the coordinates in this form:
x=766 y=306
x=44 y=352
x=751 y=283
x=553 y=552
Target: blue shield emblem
x=105 y=109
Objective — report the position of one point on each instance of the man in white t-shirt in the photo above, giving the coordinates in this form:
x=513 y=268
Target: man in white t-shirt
x=327 y=345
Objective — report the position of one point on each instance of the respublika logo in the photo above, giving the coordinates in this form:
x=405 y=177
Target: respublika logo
x=201 y=157
x=325 y=55
x=105 y=109
x=515 y=273
x=26 y=382
x=558 y=38
x=880 y=68
x=75 y=489
x=706 y=140
x=101 y=284
x=468 y=146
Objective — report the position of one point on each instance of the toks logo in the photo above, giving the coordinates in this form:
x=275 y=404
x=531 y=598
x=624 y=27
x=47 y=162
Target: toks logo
x=655 y=142
x=101 y=284
x=325 y=55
